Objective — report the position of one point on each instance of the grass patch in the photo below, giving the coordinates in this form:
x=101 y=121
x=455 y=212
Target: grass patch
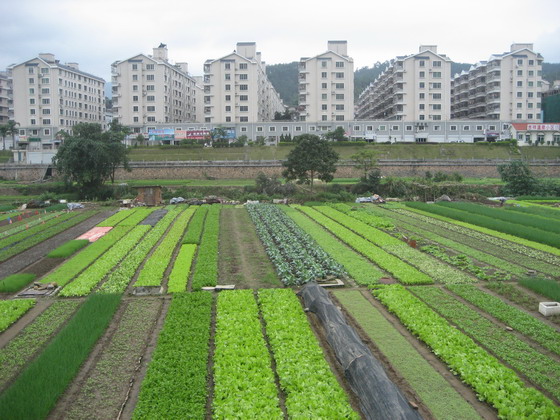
x=67 y=249
x=11 y=311
x=546 y=287
x=16 y=282
x=35 y=392
x=438 y=395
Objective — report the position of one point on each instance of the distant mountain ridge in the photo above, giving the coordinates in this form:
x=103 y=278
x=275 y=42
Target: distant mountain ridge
x=284 y=77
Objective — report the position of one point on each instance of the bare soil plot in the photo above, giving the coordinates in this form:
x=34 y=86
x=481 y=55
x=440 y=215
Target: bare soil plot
x=243 y=260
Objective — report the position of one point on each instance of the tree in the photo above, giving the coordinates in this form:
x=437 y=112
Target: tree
x=12 y=131
x=311 y=157
x=365 y=160
x=518 y=177
x=90 y=157
x=3 y=133
x=338 y=134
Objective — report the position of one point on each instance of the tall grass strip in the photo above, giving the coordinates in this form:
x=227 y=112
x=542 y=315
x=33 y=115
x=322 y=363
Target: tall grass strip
x=546 y=287
x=67 y=249
x=206 y=267
x=194 y=231
x=16 y=282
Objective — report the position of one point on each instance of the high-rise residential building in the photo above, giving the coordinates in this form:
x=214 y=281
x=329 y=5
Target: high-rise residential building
x=326 y=85
x=506 y=87
x=49 y=96
x=5 y=97
x=413 y=88
x=149 y=90
x=237 y=89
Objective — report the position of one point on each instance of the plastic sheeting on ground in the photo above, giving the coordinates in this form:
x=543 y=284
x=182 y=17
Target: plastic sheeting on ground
x=380 y=399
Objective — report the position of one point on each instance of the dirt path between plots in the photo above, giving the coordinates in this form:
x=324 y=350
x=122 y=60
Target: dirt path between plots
x=32 y=259
x=242 y=258
x=484 y=410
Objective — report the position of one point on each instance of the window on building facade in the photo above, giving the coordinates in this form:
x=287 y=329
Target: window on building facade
x=323 y=118
x=421 y=95
x=151 y=98
x=421 y=106
x=518 y=116
x=452 y=128
x=31 y=80
x=422 y=74
x=244 y=108
x=243 y=87
x=243 y=77
x=242 y=66
x=298 y=128
x=323 y=63
x=421 y=85
x=339 y=118
x=284 y=128
x=519 y=105
x=150 y=77
x=339 y=86
x=466 y=128
x=436 y=85
x=340 y=64
x=422 y=63
x=531 y=62
x=135 y=109
x=323 y=107
x=150 y=87
x=421 y=117
x=46 y=121
x=271 y=128
x=228 y=119
x=323 y=96
x=339 y=107
x=243 y=97
x=134 y=77
x=436 y=74
x=32 y=121
x=46 y=111
x=530 y=84
x=520 y=61
x=47 y=101
x=243 y=119
x=228 y=108
x=520 y=94
x=529 y=116
x=436 y=107
x=151 y=119
x=339 y=96
x=436 y=117
x=135 y=88
x=227 y=76
x=151 y=108
x=135 y=98
x=259 y=129
x=339 y=75
x=227 y=66
x=324 y=75
x=323 y=85
x=150 y=66
x=135 y=67
x=227 y=87
x=519 y=83
x=436 y=63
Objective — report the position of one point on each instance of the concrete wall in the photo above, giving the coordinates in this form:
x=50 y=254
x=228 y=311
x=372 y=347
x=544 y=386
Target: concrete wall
x=249 y=170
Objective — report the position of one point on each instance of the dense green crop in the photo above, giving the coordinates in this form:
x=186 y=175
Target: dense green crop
x=546 y=287
x=175 y=384
x=179 y=275
x=16 y=282
x=12 y=310
x=194 y=230
x=244 y=385
x=310 y=386
x=68 y=248
x=206 y=268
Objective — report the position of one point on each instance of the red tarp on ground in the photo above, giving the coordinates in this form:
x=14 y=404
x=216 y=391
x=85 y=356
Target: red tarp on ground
x=95 y=233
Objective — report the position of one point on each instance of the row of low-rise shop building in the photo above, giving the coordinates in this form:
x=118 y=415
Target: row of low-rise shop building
x=416 y=99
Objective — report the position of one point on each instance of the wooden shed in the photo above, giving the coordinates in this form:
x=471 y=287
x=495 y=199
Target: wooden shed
x=150 y=195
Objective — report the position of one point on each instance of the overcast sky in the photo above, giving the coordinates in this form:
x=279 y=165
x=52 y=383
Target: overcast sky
x=95 y=33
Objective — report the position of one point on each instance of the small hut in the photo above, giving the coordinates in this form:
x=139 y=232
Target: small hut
x=149 y=195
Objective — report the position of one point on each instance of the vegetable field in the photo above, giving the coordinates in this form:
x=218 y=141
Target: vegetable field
x=193 y=311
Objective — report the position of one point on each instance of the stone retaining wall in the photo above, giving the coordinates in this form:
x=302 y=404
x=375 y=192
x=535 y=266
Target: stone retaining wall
x=249 y=170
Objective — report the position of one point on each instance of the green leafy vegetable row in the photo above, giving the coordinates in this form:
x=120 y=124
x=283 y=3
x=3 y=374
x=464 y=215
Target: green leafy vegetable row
x=206 y=268
x=26 y=223
x=138 y=216
x=297 y=257
x=33 y=337
x=455 y=241
x=91 y=276
x=492 y=381
x=154 y=268
x=118 y=280
x=35 y=391
x=244 y=385
x=540 y=369
x=361 y=270
x=546 y=287
x=179 y=275
x=310 y=386
x=513 y=229
x=521 y=321
x=400 y=270
x=194 y=231
x=175 y=384
x=72 y=267
x=435 y=269
x=43 y=233
x=12 y=310
x=502 y=246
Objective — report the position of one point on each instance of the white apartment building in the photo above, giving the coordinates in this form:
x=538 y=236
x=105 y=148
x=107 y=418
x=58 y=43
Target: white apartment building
x=149 y=89
x=5 y=97
x=326 y=85
x=413 y=88
x=506 y=87
x=49 y=96
x=237 y=89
